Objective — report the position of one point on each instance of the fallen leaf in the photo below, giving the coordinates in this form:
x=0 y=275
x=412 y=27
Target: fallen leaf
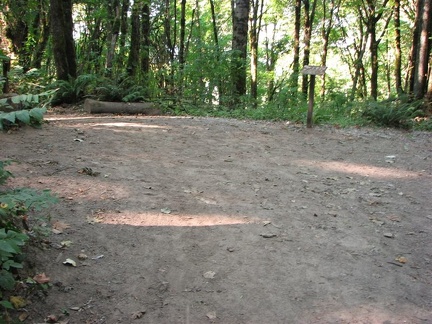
x=209 y=274
x=23 y=316
x=211 y=315
x=17 y=301
x=393 y=218
x=66 y=243
x=58 y=227
x=41 y=278
x=401 y=259
x=98 y=257
x=93 y=220
x=137 y=315
x=70 y=262
x=51 y=319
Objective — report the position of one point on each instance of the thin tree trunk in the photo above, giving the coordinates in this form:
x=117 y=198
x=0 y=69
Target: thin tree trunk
x=296 y=61
x=216 y=40
x=145 y=61
x=254 y=38
x=308 y=24
x=398 y=49
x=325 y=32
x=114 y=10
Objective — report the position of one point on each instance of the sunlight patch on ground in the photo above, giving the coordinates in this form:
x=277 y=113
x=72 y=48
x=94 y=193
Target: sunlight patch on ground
x=371 y=314
x=160 y=219
x=126 y=124
x=361 y=169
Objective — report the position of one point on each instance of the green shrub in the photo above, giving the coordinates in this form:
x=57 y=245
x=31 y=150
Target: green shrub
x=16 y=206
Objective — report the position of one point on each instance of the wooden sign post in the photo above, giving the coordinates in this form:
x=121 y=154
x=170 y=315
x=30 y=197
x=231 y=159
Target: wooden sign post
x=312 y=71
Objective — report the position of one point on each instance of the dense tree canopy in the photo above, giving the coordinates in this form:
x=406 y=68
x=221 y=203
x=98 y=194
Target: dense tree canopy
x=200 y=50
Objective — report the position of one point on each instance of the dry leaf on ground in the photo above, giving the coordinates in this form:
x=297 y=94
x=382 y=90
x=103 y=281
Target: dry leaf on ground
x=41 y=278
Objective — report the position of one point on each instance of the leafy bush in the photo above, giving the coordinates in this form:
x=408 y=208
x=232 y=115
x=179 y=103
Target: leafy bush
x=15 y=207
x=27 y=109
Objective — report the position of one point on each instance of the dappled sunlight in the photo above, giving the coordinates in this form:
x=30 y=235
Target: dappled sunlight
x=161 y=219
x=360 y=169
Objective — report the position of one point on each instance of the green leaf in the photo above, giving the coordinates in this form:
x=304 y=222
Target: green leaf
x=12 y=264
x=6 y=304
x=8 y=116
x=6 y=246
x=23 y=115
x=37 y=113
x=7 y=281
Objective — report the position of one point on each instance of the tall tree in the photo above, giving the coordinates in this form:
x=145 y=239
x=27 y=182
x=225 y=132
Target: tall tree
x=62 y=39
x=239 y=46
x=328 y=19
x=421 y=49
x=309 y=15
x=255 y=27
x=371 y=15
x=146 y=30
x=114 y=30
x=296 y=60
x=134 y=50
x=398 y=49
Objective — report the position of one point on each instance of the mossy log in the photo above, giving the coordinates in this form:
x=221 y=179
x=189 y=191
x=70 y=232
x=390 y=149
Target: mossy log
x=107 y=107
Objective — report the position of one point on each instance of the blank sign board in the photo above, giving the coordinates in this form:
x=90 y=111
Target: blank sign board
x=314 y=70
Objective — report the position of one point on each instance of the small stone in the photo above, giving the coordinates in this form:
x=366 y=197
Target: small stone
x=389 y=235
x=211 y=315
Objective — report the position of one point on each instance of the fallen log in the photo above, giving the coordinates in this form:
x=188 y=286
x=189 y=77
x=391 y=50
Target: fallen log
x=106 y=107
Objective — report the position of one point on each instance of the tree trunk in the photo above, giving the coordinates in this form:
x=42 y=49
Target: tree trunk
x=421 y=49
x=327 y=26
x=308 y=24
x=145 y=61
x=372 y=15
x=114 y=13
x=296 y=60
x=239 y=47
x=216 y=40
x=134 y=51
x=62 y=38
x=398 y=49
x=257 y=7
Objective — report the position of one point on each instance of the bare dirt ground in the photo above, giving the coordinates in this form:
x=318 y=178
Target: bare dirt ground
x=202 y=220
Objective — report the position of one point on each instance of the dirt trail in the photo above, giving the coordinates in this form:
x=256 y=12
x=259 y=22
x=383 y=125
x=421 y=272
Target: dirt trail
x=200 y=220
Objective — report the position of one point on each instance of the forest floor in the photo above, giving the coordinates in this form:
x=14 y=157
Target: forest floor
x=208 y=220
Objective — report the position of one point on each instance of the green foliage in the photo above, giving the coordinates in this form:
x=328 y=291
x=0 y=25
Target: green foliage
x=398 y=113
x=74 y=90
x=25 y=109
x=32 y=117
x=32 y=81
x=15 y=207
x=123 y=89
